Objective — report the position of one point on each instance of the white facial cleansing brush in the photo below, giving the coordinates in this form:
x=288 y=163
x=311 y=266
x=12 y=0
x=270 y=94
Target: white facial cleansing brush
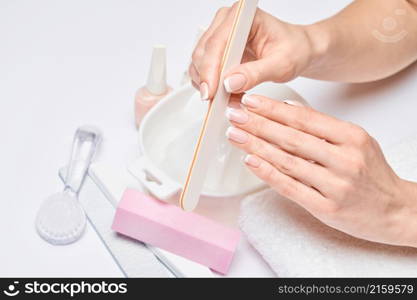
x=61 y=219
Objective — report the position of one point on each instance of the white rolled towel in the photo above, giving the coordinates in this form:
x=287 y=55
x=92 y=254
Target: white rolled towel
x=295 y=244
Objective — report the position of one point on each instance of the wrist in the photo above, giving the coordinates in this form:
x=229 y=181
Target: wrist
x=408 y=219
x=319 y=39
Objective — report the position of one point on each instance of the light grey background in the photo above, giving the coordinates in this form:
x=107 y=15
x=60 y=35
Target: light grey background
x=67 y=63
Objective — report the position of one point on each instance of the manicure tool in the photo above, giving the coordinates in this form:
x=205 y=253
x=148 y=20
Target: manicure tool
x=61 y=219
x=212 y=125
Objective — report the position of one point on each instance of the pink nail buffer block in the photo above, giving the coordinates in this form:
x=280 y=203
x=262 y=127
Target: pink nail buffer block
x=170 y=228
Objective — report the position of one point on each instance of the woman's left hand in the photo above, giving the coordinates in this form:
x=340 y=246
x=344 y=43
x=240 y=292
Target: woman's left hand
x=332 y=168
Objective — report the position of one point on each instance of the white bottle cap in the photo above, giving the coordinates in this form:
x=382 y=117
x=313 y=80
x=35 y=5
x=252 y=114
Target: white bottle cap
x=157 y=81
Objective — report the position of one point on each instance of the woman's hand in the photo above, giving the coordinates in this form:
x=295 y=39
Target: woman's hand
x=348 y=46
x=276 y=51
x=332 y=168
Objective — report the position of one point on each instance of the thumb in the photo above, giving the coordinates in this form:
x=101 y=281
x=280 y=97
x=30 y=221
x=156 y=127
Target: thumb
x=250 y=74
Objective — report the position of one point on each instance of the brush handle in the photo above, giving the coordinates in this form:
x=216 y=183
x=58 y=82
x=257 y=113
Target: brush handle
x=84 y=146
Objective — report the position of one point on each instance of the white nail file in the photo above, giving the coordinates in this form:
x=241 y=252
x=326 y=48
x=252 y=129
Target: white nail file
x=215 y=116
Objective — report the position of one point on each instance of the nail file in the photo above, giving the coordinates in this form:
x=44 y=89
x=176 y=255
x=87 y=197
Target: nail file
x=215 y=116
x=168 y=227
x=101 y=188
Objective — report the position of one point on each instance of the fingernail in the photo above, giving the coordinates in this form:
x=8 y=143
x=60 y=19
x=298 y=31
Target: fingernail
x=237 y=135
x=234 y=82
x=250 y=101
x=291 y=102
x=252 y=161
x=204 y=93
x=237 y=115
x=235 y=104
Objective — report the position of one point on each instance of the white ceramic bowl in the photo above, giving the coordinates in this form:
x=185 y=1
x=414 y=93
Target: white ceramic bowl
x=167 y=137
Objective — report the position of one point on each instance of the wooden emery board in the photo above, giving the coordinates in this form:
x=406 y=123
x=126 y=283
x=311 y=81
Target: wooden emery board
x=211 y=128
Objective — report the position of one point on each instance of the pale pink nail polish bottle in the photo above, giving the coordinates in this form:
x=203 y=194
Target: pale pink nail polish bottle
x=156 y=87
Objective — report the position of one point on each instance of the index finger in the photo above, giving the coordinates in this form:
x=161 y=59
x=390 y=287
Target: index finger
x=209 y=50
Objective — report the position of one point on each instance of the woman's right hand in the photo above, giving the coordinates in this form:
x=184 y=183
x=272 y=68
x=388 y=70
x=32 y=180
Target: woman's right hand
x=276 y=51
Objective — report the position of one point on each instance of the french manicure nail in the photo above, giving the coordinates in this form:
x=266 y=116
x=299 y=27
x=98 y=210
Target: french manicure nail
x=237 y=115
x=235 y=82
x=235 y=104
x=237 y=135
x=291 y=102
x=252 y=161
x=204 y=93
x=250 y=101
